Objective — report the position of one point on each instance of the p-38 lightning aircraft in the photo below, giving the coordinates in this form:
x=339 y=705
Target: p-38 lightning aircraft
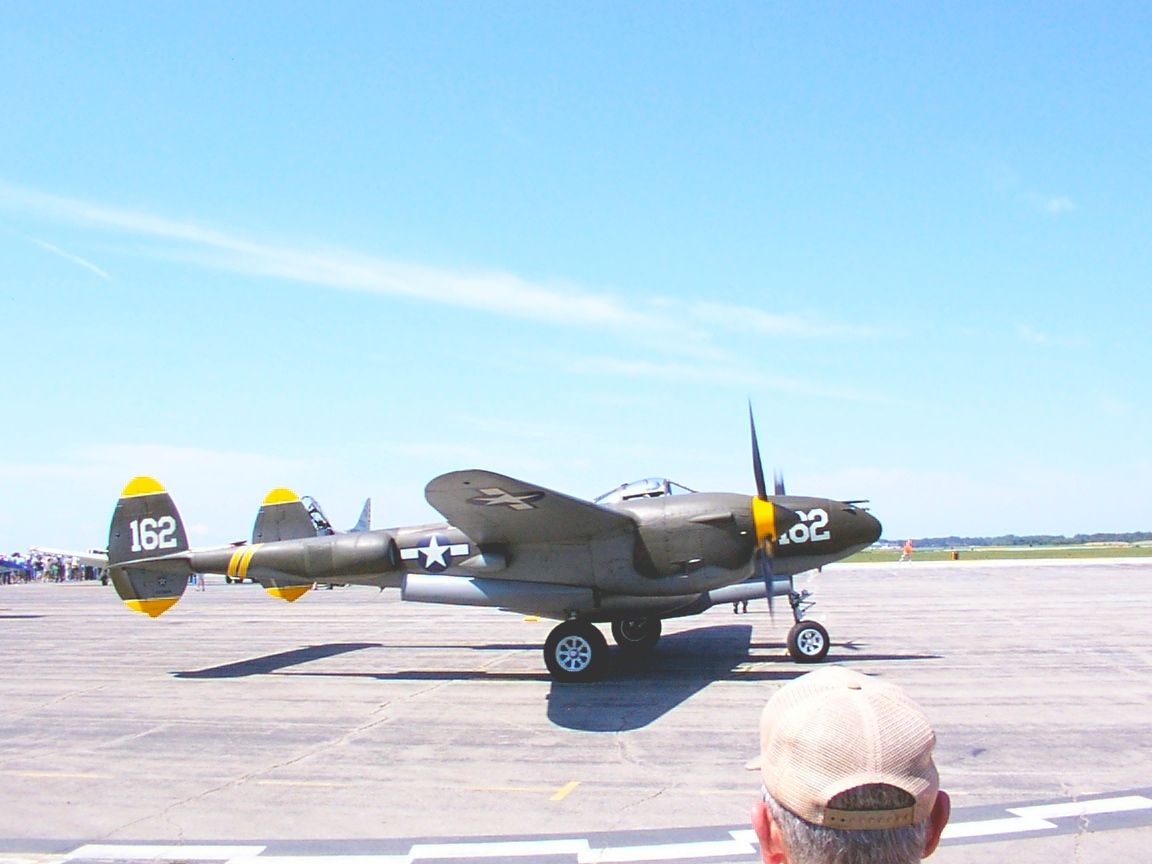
x=644 y=552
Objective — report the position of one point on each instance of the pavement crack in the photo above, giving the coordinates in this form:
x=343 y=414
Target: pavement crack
x=53 y=702
x=314 y=750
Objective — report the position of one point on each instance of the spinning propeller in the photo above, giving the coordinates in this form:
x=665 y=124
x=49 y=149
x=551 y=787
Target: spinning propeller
x=768 y=518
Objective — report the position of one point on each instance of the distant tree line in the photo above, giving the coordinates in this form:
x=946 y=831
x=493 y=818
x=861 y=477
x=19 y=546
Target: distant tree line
x=1028 y=540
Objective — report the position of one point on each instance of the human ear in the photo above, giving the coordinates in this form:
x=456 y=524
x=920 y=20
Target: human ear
x=941 y=810
x=771 y=842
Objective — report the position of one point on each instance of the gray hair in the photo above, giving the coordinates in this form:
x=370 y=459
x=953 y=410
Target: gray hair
x=815 y=844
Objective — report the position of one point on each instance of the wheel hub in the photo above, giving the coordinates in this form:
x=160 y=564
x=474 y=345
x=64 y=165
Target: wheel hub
x=574 y=653
x=810 y=642
x=634 y=631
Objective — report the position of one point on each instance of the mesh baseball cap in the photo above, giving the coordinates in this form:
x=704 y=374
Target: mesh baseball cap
x=833 y=730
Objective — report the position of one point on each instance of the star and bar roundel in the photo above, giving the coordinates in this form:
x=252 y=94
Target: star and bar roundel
x=435 y=552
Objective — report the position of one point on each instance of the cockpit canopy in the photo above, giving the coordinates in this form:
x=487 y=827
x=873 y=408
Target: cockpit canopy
x=651 y=487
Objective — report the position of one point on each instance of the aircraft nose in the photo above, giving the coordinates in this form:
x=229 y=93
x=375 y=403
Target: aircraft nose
x=870 y=527
x=861 y=528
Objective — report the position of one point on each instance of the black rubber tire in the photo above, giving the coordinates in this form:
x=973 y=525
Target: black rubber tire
x=638 y=634
x=576 y=652
x=808 y=642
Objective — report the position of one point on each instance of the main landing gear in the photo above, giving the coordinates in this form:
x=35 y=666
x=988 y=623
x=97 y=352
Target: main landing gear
x=576 y=651
x=807 y=640
x=639 y=634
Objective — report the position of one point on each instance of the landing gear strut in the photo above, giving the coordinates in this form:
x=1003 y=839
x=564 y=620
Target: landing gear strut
x=576 y=651
x=807 y=640
x=638 y=634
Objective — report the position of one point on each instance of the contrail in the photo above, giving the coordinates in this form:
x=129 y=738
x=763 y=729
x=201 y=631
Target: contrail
x=76 y=259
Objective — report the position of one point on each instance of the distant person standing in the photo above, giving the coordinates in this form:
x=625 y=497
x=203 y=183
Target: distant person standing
x=906 y=555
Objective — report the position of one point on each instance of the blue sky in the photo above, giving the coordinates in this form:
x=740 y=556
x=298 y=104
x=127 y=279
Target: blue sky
x=347 y=248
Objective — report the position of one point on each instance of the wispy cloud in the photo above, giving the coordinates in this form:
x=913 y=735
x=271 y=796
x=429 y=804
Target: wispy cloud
x=1057 y=205
x=748 y=318
x=75 y=259
x=1035 y=337
x=735 y=375
x=495 y=292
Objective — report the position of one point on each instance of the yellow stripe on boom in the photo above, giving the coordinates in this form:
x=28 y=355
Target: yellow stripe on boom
x=245 y=560
x=280 y=495
x=142 y=486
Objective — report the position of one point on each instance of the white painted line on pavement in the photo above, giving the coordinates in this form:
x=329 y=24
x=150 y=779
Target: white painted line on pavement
x=497 y=849
x=986 y=827
x=666 y=852
x=1084 y=808
x=743 y=843
x=1035 y=818
x=141 y=852
x=326 y=859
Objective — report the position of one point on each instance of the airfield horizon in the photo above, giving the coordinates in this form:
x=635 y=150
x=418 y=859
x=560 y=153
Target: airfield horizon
x=1102 y=551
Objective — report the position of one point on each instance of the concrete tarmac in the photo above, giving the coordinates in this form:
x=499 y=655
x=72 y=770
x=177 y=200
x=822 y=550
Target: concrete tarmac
x=350 y=715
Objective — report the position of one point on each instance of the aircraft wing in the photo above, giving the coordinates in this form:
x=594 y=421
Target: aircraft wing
x=492 y=508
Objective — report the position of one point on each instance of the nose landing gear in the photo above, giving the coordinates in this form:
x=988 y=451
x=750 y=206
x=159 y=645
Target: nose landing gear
x=807 y=640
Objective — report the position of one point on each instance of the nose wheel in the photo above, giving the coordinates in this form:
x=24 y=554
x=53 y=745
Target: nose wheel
x=576 y=651
x=808 y=641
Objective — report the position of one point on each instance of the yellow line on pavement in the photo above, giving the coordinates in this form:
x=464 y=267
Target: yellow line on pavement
x=564 y=790
x=56 y=774
x=557 y=794
x=511 y=789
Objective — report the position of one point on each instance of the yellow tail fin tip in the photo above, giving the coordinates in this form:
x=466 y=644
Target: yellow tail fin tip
x=291 y=593
x=281 y=495
x=154 y=607
x=142 y=486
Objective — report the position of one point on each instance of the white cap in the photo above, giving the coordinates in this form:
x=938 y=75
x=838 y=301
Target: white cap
x=833 y=730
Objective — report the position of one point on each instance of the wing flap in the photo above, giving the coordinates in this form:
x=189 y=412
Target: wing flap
x=493 y=508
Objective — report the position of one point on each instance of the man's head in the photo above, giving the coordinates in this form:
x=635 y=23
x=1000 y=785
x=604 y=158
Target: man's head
x=846 y=762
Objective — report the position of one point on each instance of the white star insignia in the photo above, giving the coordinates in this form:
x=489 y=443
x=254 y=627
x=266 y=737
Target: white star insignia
x=434 y=552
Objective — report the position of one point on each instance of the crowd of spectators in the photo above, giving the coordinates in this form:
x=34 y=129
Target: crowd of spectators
x=35 y=566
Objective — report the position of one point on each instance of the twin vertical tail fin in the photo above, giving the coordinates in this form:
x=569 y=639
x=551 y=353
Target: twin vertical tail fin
x=145 y=545
x=282 y=516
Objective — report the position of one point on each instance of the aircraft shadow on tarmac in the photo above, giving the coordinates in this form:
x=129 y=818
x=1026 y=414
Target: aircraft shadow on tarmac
x=273 y=662
x=639 y=688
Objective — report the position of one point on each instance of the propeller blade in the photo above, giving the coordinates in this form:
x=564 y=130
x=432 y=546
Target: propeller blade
x=757 y=465
x=778 y=477
x=765 y=571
